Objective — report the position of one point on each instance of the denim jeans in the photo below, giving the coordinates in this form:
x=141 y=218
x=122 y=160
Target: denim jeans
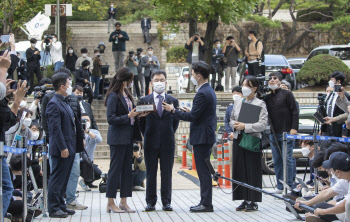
x=95 y=80
x=7 y=186
x=138 y=177
x=58 y=65
x=73 y=180
x=278 y=160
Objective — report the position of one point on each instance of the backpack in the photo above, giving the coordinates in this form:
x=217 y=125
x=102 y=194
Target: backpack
x=262 y=52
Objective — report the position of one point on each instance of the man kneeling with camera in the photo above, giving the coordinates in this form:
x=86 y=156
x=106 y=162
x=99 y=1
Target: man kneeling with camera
x=138 y=169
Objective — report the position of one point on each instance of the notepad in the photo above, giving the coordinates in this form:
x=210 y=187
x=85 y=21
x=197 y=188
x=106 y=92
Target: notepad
x=249 y=113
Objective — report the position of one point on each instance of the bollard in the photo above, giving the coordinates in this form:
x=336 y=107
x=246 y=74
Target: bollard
x=193 y=161
x=284 y=157
x=24 y=180
x=219 y=150
x=184 y=153
x=315 y=169
x=227 y=165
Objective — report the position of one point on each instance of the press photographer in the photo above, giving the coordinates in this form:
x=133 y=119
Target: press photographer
x=82 y=79
x=132 y=62
x=55 y=47
x=138 y=168
x=118 y=39
x=33 y=64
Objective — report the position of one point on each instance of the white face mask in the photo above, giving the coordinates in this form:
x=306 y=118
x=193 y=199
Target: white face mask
x=273 y=87
x=331 y=84
x=131 y=84
x=33 y=45
x=84 y=55
x=250 y=38
x=23 y=104
x=112 y=6
x=194 y=81
x=246 y=91
x=54 y=40
x=87 y=125
x=159 y=87
x=70 y=51
x=218 y=45
x=236 y=97
x=305 y=151
x=35 y=135
x=333 y=175
x=69 y=90
x=150 y=53
x=27 y=122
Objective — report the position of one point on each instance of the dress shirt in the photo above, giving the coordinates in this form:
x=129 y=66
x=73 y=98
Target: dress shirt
x=156 y=100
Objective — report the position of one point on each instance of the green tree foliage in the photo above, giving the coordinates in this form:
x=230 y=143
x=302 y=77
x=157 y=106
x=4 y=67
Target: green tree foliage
x=176 y=54
x=316 y=71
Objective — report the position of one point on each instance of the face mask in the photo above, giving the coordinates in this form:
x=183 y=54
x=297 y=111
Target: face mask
x=35 y=135
x=333 y=175
x=69 y=90
x=23 y=104
x=159 y=87
x=33 y=45
x=323 y=174
x=27 y=122
x=194 y=81
x=80 y=98
x=305 y=151
x=331 y=84
x=236 y=97
x=84 y=55
x=250 y=38
x=150 y=53
x=273 y=87
x=218 y=45
x=130 y=85
x=87 y=124
x=70 y=51
x=246 y=91
x=54 y=40
x=97 y=54
x=70 y=82
x=112 y=6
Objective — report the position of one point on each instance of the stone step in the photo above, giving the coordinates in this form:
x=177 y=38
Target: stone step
x=102 y=126
x=102 y=154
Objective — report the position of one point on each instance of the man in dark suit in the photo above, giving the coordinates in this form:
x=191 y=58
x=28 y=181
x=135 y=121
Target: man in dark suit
x=216 y=63
x=159 y=143
x=111 y=16
x=146 y=26
x=202 y=130
x=21 y=68
x=84 y=106
x=66 y=140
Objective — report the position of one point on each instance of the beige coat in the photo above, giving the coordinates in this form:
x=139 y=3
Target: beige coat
x=253 y=129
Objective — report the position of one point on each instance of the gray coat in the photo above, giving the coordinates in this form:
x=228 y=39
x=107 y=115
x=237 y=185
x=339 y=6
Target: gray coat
x=253 y=129
x=149 y=68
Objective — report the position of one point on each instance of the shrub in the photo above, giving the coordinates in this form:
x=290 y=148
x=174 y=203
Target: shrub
x=317 y=70
x=314 y=17
x=177 y=54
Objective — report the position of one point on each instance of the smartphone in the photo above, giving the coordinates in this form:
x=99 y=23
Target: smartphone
x=13 y=85
x=319 y=178
x=319 y=117
x=337 y=88
x=2 y=53
x=5 y=38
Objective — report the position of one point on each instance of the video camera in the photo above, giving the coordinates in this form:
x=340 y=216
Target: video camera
x=43 y=90
x=136 y=147
x=47 y=39
x=83 y=122
x=263 y=84
x=321 y=97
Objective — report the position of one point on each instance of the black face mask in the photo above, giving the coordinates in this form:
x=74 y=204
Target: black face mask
x=323 y=174
x=80 y=98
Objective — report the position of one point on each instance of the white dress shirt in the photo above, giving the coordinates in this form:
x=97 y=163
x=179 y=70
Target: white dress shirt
x=156 y=100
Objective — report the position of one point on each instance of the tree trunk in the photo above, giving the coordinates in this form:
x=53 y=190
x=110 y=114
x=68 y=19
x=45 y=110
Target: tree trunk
x=63 y=32
x=241 y=37
x=209 y=39
x=192 y=26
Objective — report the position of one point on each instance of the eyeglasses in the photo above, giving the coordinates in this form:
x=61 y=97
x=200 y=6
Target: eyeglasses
x=273 y=77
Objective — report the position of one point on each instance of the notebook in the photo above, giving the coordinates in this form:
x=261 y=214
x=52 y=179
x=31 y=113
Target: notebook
x=249 y=113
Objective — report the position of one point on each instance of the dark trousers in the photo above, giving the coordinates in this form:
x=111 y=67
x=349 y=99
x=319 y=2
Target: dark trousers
x=31 y=70
x=147 y=81
x=218 y=70
x=166 y=158
x=253 y=69
x=120 y=171
x=201 y=153
x=89 y=93
x=97 y=175
x=136 y=85
x=138 y=177
x=60 y=172
x=329 y=217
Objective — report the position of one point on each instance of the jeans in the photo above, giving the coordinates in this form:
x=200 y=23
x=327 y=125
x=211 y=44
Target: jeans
x=118 y=59
x=95 y=80
x=7 y=186
x=138 y=177
x=230 y=73
x=278 y=160
x=73 y=180
x=58 y=65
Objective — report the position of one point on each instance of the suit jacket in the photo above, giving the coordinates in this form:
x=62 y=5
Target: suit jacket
x=148 y=23
x=65 y=127
x=201 y=50
x=215 y=56
x=88 y=111
x=202 y=116
x=110 y=15
x=149 y=68
x=120 y=131
x=159 y=132
x=22 y=68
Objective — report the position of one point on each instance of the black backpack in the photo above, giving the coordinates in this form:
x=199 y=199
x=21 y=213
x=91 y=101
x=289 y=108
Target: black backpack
x=262 y=52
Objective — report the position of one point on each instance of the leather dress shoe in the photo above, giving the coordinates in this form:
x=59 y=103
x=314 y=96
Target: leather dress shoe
x=67 y=211
x=195 y=206
x=202 y=208
x=58 y=214
x=150 y=207
x=167 y=207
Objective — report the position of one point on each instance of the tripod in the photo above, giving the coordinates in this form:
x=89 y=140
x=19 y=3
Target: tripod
x=45 y=58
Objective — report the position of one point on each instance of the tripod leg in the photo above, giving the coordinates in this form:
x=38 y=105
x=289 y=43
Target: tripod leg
x=36 y=189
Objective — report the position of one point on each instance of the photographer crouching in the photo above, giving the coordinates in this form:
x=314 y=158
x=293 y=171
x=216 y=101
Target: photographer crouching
x=138 y=169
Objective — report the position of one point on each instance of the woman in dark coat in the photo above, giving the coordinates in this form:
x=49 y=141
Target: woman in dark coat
x=122 y=132
x=71 y=59
x=246 y=164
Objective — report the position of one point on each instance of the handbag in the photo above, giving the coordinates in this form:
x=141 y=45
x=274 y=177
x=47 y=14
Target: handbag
x=86 y=167
x=224 y=58
x=249 y=142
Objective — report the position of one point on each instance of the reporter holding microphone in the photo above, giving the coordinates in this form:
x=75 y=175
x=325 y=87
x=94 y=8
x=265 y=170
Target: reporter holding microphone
x=122 y=132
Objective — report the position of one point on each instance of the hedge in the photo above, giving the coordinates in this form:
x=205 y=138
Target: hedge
x=177 y=54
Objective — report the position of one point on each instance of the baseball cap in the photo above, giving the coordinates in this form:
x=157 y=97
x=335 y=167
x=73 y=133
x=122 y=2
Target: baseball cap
x=337 y=161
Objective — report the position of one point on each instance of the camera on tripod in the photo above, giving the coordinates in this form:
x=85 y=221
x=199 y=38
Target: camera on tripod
x=263 y=84
x=47 y=39
x=43 y=90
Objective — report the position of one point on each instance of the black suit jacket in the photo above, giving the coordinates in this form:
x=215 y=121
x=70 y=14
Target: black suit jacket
x=110 y=15
x=159 y=132
x=148 y=23
x=120 y=131
x=88 y=111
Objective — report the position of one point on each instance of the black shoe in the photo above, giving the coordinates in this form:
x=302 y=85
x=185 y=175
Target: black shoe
x=251 y=207
x=309 y=182
x=8 y=216
x=67 y=211
x=58 y=214
x=195 y=206
x=242 y=206
x=150 y=207
x=202 y=208
x=167 y=207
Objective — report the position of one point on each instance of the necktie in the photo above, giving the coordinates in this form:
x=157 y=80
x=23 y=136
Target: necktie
x=330 y=106
x=159 y=106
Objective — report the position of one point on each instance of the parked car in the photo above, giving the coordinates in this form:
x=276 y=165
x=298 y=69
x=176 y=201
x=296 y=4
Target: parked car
x=340 y=51
x=182 y=79
x=273 y=63
x=296 y=64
